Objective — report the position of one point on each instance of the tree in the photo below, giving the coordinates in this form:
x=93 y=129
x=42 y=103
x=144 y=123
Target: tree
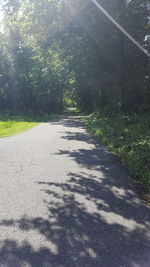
x=52 y=47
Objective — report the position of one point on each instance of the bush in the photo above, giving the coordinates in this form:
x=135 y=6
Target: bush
x=128 y=137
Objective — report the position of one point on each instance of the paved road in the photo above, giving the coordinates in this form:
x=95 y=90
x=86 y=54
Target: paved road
x=66 y=201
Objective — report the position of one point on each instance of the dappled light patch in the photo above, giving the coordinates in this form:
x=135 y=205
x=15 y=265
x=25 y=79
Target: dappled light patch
x=90 y=216
x=73 y=235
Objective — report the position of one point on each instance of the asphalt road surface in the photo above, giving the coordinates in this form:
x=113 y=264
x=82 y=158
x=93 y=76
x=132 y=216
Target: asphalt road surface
x=65 y=201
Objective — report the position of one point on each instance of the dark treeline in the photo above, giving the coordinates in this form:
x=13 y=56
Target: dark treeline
x=49 y=49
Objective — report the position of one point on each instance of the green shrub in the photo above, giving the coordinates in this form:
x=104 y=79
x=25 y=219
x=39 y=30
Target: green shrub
x=129 y=138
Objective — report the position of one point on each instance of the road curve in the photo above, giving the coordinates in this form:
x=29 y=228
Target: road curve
x=66 y=201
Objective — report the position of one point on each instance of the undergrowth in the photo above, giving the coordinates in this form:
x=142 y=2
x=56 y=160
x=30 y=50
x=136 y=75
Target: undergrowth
x=129 y=138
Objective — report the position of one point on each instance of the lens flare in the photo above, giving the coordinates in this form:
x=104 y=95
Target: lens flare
x=121 y=28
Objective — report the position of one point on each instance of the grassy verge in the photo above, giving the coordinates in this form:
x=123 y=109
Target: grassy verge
x=12 y=124
x=129 y=138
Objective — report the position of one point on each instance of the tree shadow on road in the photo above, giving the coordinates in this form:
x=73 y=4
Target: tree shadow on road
x=92 y=220
x=67 y=121
x=89 y=223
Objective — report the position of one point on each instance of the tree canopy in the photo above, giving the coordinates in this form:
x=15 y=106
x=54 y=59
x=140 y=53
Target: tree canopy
x=48 y=48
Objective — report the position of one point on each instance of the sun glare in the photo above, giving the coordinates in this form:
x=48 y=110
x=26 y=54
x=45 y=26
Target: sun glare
x=1 y=20
x=121 y=28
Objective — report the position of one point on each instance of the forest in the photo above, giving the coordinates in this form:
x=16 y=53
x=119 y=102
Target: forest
x=52 y=49
x=54 y=52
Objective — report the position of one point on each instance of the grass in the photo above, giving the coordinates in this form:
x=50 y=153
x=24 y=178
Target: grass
x=12 y=124
x=128 y=137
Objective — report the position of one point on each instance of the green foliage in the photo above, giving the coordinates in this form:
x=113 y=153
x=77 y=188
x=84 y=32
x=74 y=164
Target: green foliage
x=68 y=102
x=128 y=137
x=68 y=99
x=33 y=73
x=49 y=47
